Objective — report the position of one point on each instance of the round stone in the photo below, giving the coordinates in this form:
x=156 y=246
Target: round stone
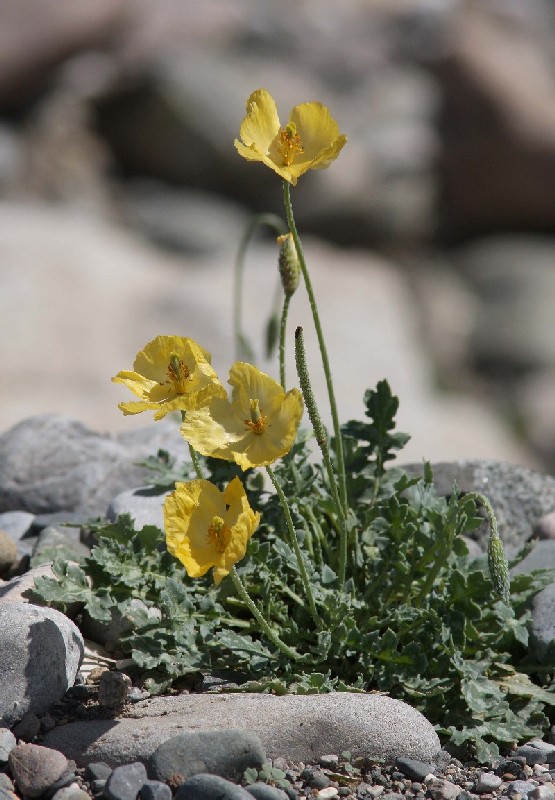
x=35 y=768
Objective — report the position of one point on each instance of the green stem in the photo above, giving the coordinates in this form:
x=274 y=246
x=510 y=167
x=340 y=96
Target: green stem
x=242 y=348
x=263 y=625
x=295 y=546
x=194 y=455
x=322 y=345
x=282 y=331
x=196 y=463
x=322 y=440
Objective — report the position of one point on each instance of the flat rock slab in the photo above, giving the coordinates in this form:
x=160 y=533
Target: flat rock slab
x=300 y=727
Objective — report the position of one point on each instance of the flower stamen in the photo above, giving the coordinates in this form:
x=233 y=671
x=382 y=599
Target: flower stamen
x=290 y=143
x=257 y=422
x=219 y=534
x=178 y=373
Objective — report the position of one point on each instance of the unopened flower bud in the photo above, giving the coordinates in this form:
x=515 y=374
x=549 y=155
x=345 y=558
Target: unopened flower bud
x=289 y=268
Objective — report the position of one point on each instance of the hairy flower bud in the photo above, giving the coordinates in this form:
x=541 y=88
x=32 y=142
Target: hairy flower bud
x=289 y=268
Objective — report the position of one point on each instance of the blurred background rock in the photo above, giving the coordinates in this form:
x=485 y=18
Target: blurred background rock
x=431 y=240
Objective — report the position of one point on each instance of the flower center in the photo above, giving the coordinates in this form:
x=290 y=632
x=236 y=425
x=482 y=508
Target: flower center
x=178 y=373
x=219 y=534
x=290 y=143
x=257 y=422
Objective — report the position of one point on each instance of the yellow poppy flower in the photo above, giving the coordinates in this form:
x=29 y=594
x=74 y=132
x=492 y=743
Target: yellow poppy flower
x=256 y=427
x=310 y=140
x=207 y=528
x=171 y=373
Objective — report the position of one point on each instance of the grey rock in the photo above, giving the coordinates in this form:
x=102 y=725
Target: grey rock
x=98 y=770
x=113 y=688
x=305 y=727
x=441 y=789
x=18 y=525
x=263 y=791
x=155 y=790
x=50 y=463
x=521 y=788
x=42 y=650
x=7 y=744
x=329 y=761
x=536 y=748
x=125 y=782
x=542 y=556
x=6 y=782
x=544 y=791
x=20 y=589
x=487 y=782
x=53 y=542
x=144 y=505
x=542 y=627
x=414 y=769
x=543 y=529
x=225 y=753
x=35 y=768
x=519 y=496
x=8 y=553
x=71 y=792
x=210 y=787
x=27 y=728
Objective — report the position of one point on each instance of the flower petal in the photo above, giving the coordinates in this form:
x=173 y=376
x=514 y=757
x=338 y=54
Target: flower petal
x=261 y=124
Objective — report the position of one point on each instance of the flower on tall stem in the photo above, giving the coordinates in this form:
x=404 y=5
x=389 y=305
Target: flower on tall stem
x=255 y=428
x=172 y=373
x=309 y=140
x=206 y=528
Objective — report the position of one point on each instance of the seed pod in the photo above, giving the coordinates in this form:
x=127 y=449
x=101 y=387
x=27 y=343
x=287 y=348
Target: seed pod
x=498 y=567
x=289 y=268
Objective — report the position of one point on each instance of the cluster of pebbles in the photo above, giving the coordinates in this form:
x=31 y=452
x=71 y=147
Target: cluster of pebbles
x=29 y=770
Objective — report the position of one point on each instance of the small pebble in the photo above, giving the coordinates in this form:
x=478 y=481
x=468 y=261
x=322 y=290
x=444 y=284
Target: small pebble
x=27 y=728
x=329 y=762
x=327 y=793
x=7 y=744
x=36 y=769
x=125 y=782
x=155 y=790
x=546 y=790
x=97 y=770
x=113 y=688
x=520 y=788
x=440 y=789
x=487 y=782
x=71 y=792
x=412 y=768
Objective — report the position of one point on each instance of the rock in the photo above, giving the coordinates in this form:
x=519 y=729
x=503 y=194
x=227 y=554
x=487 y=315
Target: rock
x=145 y=505
x=27 y=727
x=519 y=496
x=113 y=688
x=225 y=753
x=542 y=792
x=8 y=553
x=541 y=556
x=441 y=789
x=542 y=627
x=545 y=527
x=97 y=770
x=414 y=769
x=497 y=86
x=42 y=651
x=53 y=542
x=263 y=791
x=34 y=42
x=18 y=525
x=51 y=463
x=210 y=787
x=368 y=725
x=125 y=782
x=71 y=792
x=493 y=266
x=487 y=782
x=7 y=743
x=535 y=747
x=520 y=788
x=155 y=790
x=35 y=768
x=20 y=589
